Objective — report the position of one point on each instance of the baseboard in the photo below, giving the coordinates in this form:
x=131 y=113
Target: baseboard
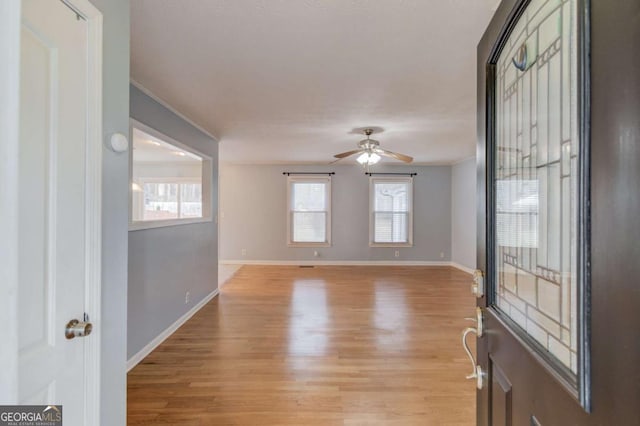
x=462 y=268
x=337 y=262
x=135 y=360
x=348 y=263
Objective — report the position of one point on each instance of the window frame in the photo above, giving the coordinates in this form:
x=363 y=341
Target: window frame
x=207 y=182
x=309 y=179
x=372 y=183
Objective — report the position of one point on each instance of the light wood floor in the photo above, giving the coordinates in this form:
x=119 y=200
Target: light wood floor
x=316 y=346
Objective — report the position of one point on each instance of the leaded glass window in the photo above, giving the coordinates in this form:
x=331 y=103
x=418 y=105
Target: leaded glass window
x=536 y=177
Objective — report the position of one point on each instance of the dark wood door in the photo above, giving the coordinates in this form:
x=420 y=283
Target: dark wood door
x=559 y=213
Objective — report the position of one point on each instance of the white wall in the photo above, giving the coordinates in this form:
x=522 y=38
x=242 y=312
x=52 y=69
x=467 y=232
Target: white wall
x=254 y=211
x=463 y=209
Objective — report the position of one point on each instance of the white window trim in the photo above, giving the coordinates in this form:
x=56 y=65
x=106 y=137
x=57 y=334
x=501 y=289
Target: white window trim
x=372 y=182
x=207 y=182
x=307 y=179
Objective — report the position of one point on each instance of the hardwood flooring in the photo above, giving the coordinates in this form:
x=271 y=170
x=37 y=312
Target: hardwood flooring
x=316 y=346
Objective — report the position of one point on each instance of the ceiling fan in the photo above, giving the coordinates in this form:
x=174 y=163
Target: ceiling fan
x=370 y=152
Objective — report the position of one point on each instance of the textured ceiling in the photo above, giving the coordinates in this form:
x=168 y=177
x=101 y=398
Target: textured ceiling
x=287 y=81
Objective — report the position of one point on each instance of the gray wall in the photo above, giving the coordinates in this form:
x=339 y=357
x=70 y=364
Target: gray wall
x=463 y=209
x=165 y=263
x=254 y=210
x=115 y=202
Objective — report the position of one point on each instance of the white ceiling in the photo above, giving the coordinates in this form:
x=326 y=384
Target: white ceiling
x=286 y=81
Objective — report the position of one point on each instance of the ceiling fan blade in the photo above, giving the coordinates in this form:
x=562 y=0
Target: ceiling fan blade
x=395 y=155
x=348 y=153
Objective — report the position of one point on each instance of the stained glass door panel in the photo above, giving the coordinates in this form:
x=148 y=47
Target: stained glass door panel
x=536 y=178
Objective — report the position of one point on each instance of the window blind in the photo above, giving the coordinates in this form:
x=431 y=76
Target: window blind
x=309 y=211
x=391 y=209
x=517 y=204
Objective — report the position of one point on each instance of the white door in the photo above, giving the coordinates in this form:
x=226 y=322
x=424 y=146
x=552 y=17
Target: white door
x=54 y=183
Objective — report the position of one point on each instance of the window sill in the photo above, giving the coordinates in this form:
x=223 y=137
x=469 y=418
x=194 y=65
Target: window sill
x=390 y=244
x=151 y=224
x=293 y=245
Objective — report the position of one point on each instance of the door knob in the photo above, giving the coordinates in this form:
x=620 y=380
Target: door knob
x=477 y=373
x=77 y=328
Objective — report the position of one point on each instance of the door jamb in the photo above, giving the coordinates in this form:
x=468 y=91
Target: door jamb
x=93 y=214
x=9 y=123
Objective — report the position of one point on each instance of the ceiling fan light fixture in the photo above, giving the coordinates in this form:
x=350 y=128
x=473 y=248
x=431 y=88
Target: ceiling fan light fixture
x=368 y=158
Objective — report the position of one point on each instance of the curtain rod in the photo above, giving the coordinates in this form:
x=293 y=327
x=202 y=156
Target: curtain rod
x=391 y=174
x=308 y=173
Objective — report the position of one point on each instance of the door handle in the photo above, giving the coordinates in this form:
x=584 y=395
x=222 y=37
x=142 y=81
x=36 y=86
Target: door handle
x=479 y=320
x=77 y=328
x=477 y=373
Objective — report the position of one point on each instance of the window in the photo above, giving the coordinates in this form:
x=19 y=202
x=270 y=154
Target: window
x=517 y=205
x=170 y=183
x=309 y=218
x=172 y=198
x=391 y=202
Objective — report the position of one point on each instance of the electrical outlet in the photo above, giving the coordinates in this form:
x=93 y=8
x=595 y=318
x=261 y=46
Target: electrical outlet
x=187 y=296
x=244 y=252
x=315 y=253
x=441 y=255
x=397 y=253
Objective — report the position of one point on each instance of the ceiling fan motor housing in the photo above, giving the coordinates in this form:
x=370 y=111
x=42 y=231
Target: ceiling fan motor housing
x=368 y=143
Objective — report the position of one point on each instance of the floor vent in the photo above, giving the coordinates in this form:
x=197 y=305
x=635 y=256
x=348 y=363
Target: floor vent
x=306 y=266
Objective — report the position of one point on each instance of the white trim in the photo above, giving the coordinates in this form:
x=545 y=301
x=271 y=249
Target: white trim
x=336 y=262
x=151 y=224
x=398 y=245
x=462 y=268
x=93 y=224
x=135 y=359
x=9 y=123
x=307 y=245
x=372 y=182
x=165 y=104
x=290 y=212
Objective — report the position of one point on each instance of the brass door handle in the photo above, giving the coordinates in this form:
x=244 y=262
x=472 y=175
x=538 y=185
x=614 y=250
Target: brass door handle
x=477 y=373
